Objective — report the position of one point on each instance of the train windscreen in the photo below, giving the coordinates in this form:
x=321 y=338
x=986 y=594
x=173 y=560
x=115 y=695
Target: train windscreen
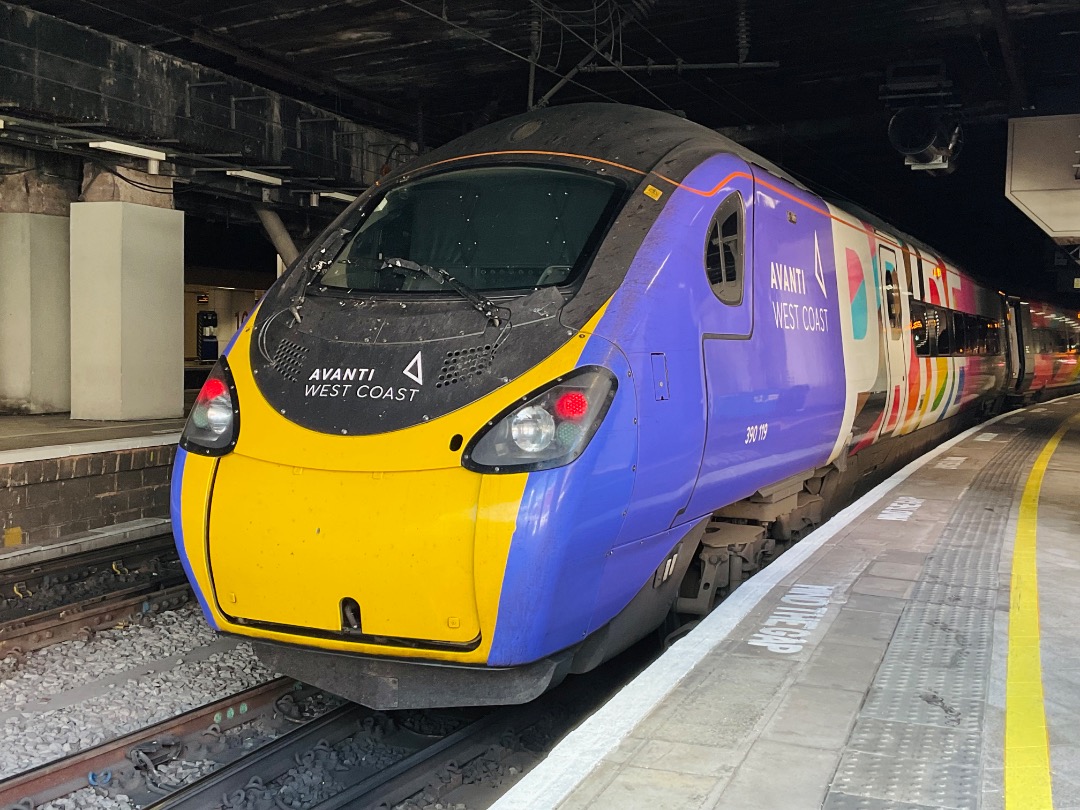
x=492 y=228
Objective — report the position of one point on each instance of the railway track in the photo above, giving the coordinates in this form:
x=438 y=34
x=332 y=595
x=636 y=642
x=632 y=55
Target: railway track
x=125 y=762
x=356 y=758
x=321 y=758
x=77 y=595
x=348 y=757
x=274 y=747
x=24 y=581
x=375 y=757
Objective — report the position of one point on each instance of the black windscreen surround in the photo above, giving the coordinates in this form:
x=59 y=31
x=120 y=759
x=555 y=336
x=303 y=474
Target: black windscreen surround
x=546 y=233
x=492 y=228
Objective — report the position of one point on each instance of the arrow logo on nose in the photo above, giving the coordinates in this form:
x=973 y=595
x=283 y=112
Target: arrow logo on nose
x=415 y=369
x=819 y=271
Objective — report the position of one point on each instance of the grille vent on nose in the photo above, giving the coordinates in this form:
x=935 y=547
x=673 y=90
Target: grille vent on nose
x=289 y=359
x=465 y=363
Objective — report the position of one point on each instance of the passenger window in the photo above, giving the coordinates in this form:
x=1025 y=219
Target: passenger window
x=933 y=329
x=920 y=329
x=974 y=338
x=993 y=337
x=975 y=328
x=959 y=338
x=724 y=253
x=945 y=334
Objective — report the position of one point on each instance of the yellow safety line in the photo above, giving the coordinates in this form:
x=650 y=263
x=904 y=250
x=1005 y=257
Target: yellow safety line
x=1027 y=751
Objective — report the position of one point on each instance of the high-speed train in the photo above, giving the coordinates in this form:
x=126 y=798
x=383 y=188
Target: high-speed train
x=555 y=382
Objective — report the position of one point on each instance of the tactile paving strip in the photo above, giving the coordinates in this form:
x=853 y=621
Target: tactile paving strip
x=914 y=741
x=937 y=593
x=841 y=801
x=933 y=783
x=917 y=742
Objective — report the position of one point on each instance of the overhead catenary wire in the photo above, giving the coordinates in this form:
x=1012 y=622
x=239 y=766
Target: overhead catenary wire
x=760 y=116
x=502 y=48
x=684 y=80
x=753 y=111
x=597 y=49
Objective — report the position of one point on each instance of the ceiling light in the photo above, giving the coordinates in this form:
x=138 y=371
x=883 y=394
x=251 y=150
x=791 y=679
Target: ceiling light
x=128 y=149
x=338 y=195
x=258 y=177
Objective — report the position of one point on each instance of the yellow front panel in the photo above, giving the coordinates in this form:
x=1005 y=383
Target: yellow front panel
x=300 y=519
x=400 y=544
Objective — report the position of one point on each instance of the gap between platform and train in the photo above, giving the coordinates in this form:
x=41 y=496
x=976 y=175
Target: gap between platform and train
x=1027 y=748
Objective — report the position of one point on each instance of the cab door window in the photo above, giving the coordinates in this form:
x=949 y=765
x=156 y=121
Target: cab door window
x=724 y=251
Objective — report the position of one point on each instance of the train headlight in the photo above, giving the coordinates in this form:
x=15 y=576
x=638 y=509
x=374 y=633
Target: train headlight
x=214 y=421
x=532 y=429
x=549 y=428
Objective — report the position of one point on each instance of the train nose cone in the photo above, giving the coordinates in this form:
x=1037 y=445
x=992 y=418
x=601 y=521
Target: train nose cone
x=382 y=557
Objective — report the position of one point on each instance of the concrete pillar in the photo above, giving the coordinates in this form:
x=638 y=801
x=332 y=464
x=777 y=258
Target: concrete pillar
x=35 y=368
x=127 y=292
x=35 y=341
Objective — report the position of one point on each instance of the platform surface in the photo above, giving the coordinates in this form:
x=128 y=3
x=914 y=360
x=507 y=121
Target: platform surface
x=25 y=431
x=867 y=668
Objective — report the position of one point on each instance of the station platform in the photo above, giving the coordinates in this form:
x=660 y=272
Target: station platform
x=20 y=433
x=895 y=658
x=71 y=483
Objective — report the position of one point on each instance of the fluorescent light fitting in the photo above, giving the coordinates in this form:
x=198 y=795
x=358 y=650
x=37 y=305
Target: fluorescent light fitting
x=128 y=149
x=1 y=123
x=258 y=177
x=338 y=195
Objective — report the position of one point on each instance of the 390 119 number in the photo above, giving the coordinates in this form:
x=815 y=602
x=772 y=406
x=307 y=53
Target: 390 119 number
x=756 y=433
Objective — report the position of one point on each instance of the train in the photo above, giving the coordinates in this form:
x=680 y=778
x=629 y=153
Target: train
x=558 y=384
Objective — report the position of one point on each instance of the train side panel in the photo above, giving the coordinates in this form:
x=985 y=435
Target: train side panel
x=564 y=533
x=755 y=384
x=858 y=286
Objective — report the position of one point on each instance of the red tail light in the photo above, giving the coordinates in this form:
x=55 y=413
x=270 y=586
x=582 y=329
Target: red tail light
x=214 y=422
x=572 y=405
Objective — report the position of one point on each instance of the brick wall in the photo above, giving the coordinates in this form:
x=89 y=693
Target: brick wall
x=42 y=501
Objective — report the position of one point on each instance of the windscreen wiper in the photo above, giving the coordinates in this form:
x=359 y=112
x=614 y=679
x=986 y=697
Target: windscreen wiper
x=485 y=306
x=316 y=266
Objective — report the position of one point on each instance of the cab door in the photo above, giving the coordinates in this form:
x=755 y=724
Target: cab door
x=1018 y=336
x=722 y=287
x=770 y=344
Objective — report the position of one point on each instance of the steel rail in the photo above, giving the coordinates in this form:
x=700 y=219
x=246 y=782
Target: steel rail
x=412 y=774
x=38 y=630
x=276 y=757
x=61 y=777
x=76 y=562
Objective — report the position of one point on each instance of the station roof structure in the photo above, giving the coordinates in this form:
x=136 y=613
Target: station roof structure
x=809 y=85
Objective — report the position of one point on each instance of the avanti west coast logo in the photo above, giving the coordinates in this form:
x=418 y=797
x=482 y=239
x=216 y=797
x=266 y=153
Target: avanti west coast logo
x=344 y=381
